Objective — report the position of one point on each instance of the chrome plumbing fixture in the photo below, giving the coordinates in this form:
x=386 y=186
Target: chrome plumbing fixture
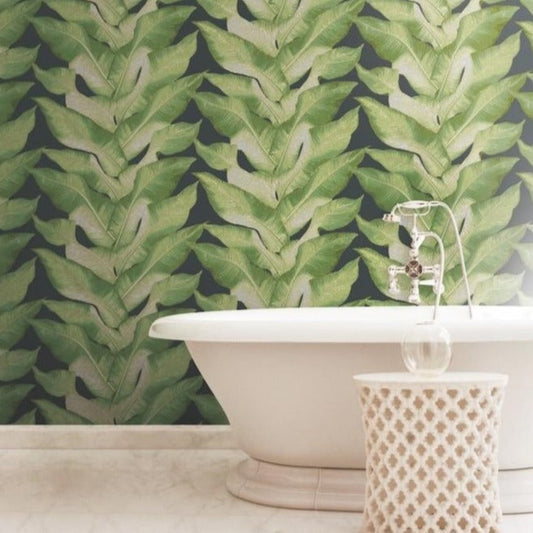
x=414 y=269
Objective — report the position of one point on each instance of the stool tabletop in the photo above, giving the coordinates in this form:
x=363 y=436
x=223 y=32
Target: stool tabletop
x=406 y=379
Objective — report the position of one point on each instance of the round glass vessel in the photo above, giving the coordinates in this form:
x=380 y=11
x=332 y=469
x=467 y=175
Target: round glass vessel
x=427 y=350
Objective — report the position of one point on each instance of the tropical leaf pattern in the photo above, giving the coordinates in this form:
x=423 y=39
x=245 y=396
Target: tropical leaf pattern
x=114 y=110
x=16 y=161
x=525 y=99
x=283 y=159
x=440 y=106
x=160 y=156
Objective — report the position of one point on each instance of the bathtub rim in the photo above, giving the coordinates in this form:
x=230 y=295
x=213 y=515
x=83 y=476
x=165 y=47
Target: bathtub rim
x=337 y=324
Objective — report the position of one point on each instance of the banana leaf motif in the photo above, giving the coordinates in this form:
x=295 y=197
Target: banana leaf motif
x=283 y=158
x=15 y=211
x=525 y=98
x=114 y=108
x=440 y=106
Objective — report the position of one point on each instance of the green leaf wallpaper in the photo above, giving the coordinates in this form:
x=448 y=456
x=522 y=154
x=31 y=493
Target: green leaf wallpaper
x=165 y=156
x=286 y=160
x=17 y=266
x=446 y=135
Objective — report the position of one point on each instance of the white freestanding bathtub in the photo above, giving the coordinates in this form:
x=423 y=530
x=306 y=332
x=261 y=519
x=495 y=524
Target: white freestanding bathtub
x=284 y=379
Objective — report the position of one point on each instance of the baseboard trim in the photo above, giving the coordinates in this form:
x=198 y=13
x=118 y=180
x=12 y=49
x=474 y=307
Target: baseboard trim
x=116 y=437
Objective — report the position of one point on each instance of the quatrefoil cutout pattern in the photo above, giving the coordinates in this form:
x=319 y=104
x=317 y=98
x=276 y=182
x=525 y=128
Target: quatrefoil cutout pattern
x=432 y=459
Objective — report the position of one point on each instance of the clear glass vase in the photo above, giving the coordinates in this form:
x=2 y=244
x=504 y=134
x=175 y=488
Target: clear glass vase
x=426 y=349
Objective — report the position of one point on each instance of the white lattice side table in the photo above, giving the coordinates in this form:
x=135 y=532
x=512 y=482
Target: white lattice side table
x=431 y=452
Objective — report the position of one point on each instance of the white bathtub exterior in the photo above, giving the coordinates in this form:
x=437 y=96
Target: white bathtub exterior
x=284 y=376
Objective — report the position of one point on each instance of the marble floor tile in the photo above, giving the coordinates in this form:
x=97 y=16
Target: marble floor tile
x=148 y=491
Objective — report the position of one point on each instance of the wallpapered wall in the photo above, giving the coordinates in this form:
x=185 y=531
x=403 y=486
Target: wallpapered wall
x=164 y=156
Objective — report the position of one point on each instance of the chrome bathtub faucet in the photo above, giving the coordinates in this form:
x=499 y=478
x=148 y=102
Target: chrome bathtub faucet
x=414 y=269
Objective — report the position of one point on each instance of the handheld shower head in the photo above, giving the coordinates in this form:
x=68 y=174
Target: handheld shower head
x=414 y=204
x=391 y=217
x=411 y=208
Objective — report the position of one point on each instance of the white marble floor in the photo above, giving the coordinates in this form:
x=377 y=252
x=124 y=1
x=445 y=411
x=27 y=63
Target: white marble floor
x=137 y=491
x=155 y=491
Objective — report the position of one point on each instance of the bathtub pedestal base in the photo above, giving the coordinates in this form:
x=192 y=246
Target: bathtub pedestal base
x=294 y=487
x=338 y=489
